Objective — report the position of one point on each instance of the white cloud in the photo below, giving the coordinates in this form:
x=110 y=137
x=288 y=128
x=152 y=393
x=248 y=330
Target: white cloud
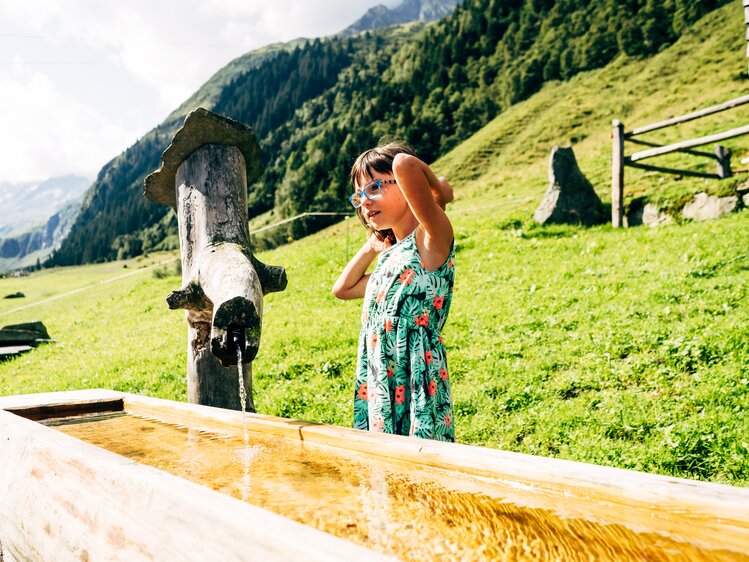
x=46 y=134
x=91 y=77
x=174 y=45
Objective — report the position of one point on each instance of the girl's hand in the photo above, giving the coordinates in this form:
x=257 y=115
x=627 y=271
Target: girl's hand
x=375 y=243
x=444 y=193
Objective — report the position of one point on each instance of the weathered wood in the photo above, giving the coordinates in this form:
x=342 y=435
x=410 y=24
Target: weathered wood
x=66 y=500
x=10 y=350
x=222 y=291
x=70 y=496
x=730 y=104
x=617 y=174
x=674 y=171
x=723 y=156
x=204 y=177
x=684 y=150
x=699 y=141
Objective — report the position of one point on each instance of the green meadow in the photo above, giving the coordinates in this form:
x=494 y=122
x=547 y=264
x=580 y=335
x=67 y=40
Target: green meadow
x=625 y=347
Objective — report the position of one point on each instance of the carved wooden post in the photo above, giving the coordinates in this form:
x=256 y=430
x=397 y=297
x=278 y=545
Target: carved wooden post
x=204 y=176
x=617 y=174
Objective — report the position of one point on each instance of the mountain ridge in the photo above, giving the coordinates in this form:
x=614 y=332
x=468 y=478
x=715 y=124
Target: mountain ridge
x=407 y=11
x=433 y=89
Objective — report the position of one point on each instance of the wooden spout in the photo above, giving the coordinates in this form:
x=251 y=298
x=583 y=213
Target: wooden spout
x=204 y=176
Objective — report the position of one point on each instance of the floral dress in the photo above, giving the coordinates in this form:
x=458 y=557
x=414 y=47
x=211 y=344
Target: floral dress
x=402 y=382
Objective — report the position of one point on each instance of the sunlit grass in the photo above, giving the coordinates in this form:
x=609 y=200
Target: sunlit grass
x=622 y=347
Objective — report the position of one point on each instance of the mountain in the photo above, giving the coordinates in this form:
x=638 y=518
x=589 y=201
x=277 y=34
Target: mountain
x=35 y=245
x=28 y=205
x=318 y=104
x=409 y=10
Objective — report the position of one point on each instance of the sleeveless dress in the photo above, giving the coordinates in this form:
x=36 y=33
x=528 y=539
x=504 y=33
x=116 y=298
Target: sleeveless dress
x=402 y=382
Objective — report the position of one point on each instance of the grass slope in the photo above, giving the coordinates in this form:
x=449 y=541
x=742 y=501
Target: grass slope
x=627 y=348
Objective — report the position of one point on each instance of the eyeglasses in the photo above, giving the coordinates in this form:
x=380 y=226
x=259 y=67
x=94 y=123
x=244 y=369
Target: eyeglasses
x=371 y=191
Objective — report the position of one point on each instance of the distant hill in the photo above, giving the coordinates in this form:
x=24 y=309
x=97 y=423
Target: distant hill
x=36 y=217
x=24 y=206
x=407 y=11
x=317 y=104
x=35 y=245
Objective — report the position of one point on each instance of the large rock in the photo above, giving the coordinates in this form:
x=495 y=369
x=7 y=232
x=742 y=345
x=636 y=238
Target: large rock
x=707 y=207
x=570 y=197
x=647 y=214
x=29 y=333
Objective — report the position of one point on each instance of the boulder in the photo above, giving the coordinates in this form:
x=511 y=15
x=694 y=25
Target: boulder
x=570 y=197
x=707 y=207
x=29 y=333
x=647 y=214
x=653 y=216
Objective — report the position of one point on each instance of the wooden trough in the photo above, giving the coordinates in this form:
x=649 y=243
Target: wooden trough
x=62 y=498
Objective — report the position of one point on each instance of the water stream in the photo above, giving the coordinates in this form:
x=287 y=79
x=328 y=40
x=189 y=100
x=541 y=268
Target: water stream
x=246 y=453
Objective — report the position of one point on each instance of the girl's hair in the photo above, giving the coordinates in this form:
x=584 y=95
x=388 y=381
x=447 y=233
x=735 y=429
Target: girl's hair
x=377 y=159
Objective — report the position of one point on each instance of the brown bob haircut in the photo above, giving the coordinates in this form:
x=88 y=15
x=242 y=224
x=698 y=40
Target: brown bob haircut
x=378 y=159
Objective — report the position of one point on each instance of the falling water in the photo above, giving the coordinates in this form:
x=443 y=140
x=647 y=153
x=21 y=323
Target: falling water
x=242 y=392
x=247 y=453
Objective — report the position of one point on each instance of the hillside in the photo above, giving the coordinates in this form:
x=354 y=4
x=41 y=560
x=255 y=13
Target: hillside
x=36 y=217
x=314 y=107
x=619 y=347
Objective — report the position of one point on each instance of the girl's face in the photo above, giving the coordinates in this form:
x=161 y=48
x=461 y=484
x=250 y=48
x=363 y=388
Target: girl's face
x=389 y=208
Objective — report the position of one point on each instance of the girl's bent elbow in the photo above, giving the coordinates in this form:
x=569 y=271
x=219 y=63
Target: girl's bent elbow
x=340 y=293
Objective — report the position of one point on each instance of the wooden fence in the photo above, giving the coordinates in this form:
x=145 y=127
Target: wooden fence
x=619 y=160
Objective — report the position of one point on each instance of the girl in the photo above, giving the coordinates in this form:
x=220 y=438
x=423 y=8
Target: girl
x=402 y=382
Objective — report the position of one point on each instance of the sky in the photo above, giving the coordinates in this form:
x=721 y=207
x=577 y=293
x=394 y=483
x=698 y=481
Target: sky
x=82 y=80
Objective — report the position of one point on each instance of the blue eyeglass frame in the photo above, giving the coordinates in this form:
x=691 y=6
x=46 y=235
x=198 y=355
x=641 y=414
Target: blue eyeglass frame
x=363 y=192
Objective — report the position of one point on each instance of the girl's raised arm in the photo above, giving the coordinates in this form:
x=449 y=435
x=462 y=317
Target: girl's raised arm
x=426 y=195
x=352 y=283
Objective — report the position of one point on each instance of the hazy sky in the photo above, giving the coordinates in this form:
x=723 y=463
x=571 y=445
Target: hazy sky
x=81 y=80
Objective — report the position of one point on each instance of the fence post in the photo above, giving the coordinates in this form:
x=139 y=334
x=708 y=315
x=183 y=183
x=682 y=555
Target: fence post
x=617 y=174
x=723 y=156
x=746 y=23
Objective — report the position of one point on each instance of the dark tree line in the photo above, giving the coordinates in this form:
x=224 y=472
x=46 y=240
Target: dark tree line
x=317 y=107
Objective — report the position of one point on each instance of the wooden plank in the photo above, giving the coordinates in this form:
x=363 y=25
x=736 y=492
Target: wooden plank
x=674 y=171
x=51 y=399
x=66 y=500
x=685 y=150
x=617 y=174
x=710 y=515
x=730 y=104
x=613 y=483
x=699 y=141
x=9 y=350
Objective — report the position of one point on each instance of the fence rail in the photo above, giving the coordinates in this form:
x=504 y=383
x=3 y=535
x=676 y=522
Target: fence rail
x=619 y=160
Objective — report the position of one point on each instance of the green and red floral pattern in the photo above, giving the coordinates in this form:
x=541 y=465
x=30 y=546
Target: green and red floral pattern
x=402 y=380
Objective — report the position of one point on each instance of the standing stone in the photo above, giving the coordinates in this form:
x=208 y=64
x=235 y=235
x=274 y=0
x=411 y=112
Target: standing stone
x=707 y=207
x=570 y=197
